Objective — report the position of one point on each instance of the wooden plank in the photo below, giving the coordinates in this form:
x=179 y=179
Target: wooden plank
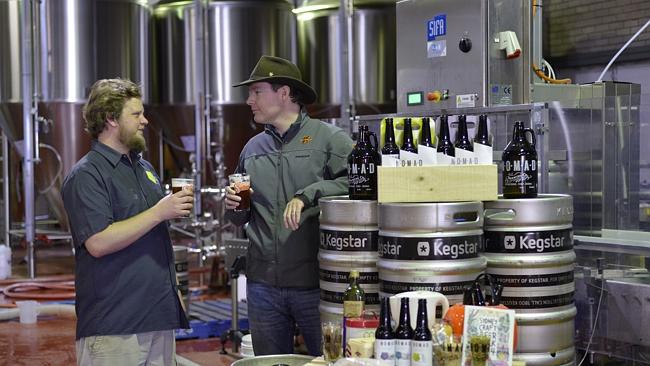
x=441 y=183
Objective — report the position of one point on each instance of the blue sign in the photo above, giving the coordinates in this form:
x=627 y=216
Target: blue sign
x=437 y=27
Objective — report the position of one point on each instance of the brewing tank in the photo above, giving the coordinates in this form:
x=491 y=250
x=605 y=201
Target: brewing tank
x=238 y=33
x=75 y=43
x=373 y=54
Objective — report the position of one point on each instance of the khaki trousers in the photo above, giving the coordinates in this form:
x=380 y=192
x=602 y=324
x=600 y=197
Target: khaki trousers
x=151 y=348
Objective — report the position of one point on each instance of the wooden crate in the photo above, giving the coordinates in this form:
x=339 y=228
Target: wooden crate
x=442 y=183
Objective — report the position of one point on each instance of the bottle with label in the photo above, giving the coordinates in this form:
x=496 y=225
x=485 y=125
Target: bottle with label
x=444 y=139
x=384 y=335
x=390 y=146
x=520 y=164
x=462 y=138
x=403 y=335
x=422 y=346
x=425 y=137
x=408 y=143
x=482 y=137
x=362 y=167
x=354 y=297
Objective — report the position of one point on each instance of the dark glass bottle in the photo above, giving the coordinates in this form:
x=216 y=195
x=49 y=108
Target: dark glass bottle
x=353 y=297
x=422 y=347
x=384 y=335
x=482 y=137
x=425 y=136
x=390 y=146
x=520 y=164
x=403 y=335
x=362 y=167
x=408 y=143
x=444 y=139
x=462 y=138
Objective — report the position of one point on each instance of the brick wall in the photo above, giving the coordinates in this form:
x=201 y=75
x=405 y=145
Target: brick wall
x=588 y=32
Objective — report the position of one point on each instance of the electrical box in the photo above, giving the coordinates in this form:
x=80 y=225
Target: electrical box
x=462 y=54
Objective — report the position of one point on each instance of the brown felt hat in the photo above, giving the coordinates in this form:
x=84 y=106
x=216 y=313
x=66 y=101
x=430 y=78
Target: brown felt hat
x=277 y=70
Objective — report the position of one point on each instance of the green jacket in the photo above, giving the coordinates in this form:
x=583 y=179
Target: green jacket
x=308 y=162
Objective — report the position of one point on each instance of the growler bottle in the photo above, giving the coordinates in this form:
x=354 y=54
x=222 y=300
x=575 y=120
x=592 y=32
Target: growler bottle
x=482 y=137
x=384 y=336
x=362 y=167
x=520 y=164
x=404 y=335
x=425 y=137
x=390 y=146
x=422 y=347
x=408 y=144
x=354 y=297
x=462 y=139
x=444 y=139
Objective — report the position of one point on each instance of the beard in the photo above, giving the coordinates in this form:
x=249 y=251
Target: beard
x=134 y=141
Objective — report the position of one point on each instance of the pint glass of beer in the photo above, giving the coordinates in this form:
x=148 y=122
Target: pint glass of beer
x=241 y=183
x=179 y=183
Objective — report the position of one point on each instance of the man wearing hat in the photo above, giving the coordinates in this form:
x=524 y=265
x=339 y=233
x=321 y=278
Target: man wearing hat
x=295 y=161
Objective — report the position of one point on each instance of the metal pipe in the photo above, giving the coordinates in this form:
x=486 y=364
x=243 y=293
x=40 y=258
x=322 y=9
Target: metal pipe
x=199 y=121
x=345 y=11
x=234 y=312
x=5 y=189
x=28 y=132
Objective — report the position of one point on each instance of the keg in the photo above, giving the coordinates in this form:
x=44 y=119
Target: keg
x=182 y=277
x=430 y=246
x=529 y=249
x=563 y=357
x=348 y=240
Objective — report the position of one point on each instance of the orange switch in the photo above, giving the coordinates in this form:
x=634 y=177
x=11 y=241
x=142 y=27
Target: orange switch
x=434 y=96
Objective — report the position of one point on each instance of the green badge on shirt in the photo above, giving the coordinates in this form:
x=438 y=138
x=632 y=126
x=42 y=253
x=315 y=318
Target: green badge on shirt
x=151 y=177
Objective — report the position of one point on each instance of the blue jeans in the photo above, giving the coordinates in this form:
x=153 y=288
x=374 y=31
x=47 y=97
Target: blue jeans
x=274 y=312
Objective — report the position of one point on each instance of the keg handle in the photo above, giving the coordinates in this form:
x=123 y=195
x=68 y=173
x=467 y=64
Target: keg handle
x=466 y=218
x=500 y=214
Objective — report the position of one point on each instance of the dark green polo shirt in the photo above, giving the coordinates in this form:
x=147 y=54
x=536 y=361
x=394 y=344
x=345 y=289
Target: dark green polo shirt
x=132 y=290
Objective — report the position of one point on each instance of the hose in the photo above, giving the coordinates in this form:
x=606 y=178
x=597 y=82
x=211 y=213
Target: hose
x=19 y=290
x=541 y=75
x=602 y=74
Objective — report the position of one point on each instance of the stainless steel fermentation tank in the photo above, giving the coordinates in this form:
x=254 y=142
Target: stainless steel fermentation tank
x=372 y=51
x=238 y=33
x=73 y=47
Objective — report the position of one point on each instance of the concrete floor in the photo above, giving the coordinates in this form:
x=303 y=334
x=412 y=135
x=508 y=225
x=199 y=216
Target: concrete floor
x=51 y=340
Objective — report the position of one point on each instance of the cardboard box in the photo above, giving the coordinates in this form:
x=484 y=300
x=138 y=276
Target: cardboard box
x=438 y=183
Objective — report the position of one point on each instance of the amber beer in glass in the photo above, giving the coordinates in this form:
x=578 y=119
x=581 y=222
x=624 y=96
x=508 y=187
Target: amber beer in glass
x=241 y=182
x=179 y=183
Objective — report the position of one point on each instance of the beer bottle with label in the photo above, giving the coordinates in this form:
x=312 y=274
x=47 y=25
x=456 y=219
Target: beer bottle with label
x=384 y=335
x=422 y=347
x=482 y=136
x=408 y=143
x=444 y=139
x=520 y=164
x=425 y=137
x=462 y=138
x=362 y=167
x=354 y=297
x=390 y=146
x=403 y=335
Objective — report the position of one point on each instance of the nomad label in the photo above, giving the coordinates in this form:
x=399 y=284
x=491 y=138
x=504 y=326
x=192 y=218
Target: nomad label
x=528 y=242
x=449 y=288
x=342 y=277
x=405 y=248
x=348 y=241
x=537 y=302
x=337 y=297
x=542 y=280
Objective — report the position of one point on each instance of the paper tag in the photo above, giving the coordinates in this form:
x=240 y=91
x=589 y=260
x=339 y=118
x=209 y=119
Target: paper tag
x=408 y=158
x=464 y=157
x=427 y=155
x=483 y=153
x=390 y=160
x=443 y=159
